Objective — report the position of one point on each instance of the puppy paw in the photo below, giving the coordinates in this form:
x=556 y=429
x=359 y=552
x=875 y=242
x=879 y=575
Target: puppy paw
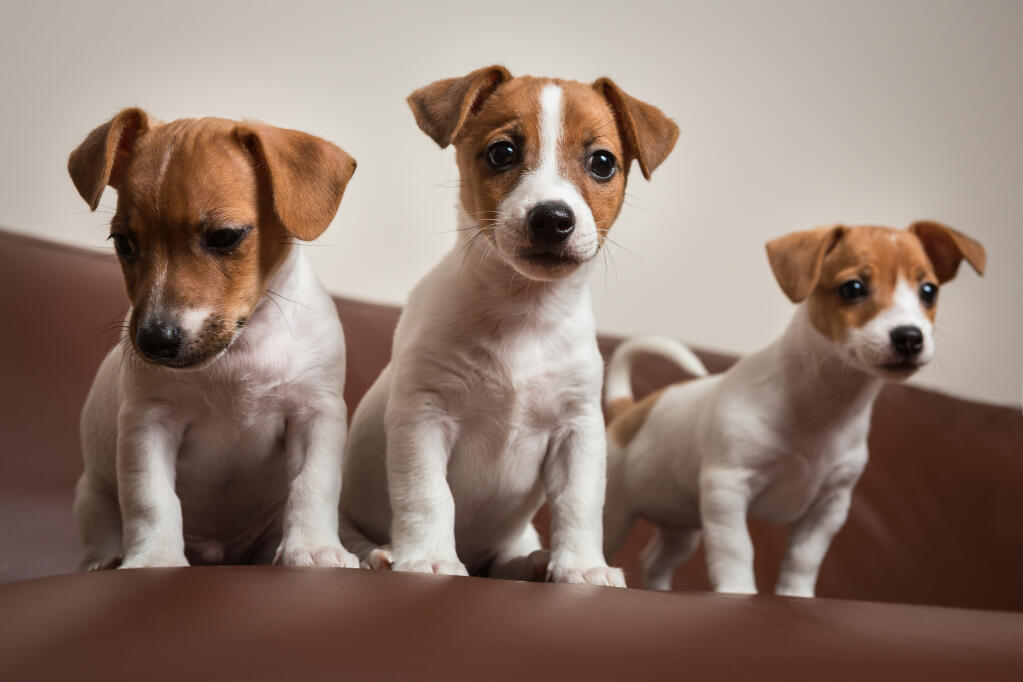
x=736 y=588
x=794 y=591
x=324 y=556
x=422 y=565
x=380 y=558
x=101 y=564
x=154 y=560
x=561 y=572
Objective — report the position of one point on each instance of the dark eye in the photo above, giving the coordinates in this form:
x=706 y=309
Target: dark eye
x=502 y=155
x=601 y=164
x=125 y=246
x=852 y=291
x=226 y=238
x=928 y=293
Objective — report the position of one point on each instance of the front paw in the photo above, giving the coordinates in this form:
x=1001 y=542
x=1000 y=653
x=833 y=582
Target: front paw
x=154 y=560
x=418 y=564
x=585 y=573
x=326 y=555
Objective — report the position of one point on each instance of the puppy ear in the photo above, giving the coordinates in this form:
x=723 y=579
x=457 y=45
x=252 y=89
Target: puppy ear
x=947 y=248
x=442 y=108
x=101 y=158
x=648 y=134
x=796 y=259
x=306 y=175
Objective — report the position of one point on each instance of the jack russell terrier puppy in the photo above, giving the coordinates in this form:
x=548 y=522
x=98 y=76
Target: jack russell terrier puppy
x=782 y=435
x=491 y=401
x=214 y=433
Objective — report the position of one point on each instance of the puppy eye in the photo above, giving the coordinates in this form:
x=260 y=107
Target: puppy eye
x=226 y=238
x=852 y=291
x=601 y=164
x=928 y=293
x=502 y=155
x=125 y=247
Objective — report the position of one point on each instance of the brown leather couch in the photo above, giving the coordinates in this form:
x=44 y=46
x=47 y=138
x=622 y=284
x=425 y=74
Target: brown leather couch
x=935 y=523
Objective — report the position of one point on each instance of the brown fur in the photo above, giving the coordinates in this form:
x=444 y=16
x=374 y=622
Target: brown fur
x=179 y=180
x=812 y=264
x=628 y=417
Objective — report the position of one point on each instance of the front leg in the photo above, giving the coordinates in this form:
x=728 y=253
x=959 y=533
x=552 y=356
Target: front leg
x=314 y=443
x=419 y=442
x=724 y=500
x=575 y=474
x=148 y=439
x=810 y=537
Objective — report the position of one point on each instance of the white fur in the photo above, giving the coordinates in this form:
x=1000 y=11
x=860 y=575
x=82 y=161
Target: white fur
x=490 y=404
x=239 y=460
x=781 y=436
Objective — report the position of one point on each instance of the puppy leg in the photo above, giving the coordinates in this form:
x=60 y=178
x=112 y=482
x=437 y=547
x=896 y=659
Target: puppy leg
x=574 y=476
x=724 y=499
x=371 y=555
x=810 y=538
x=619 y=516
x=423 y=509
x=668 y=548
x=522 y=559
x=98 y=522
x=147 y=449
x=314 y=441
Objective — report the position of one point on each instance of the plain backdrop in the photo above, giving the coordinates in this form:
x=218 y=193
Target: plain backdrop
x=793 y=115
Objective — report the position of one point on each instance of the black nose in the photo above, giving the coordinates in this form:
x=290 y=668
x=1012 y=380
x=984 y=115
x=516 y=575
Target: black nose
x=907 y=340
x=550 y=222
x=159 y=339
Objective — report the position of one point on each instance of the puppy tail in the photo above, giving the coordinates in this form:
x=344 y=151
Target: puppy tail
x=618 y=396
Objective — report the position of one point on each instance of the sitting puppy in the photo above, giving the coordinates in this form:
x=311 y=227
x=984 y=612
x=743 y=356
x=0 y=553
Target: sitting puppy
x=215 y=433
x=491 y=401
x=782 y=435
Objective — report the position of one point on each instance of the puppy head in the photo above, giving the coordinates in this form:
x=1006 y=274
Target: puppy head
x=543 y=162
x=873 y=290
x=205 y=212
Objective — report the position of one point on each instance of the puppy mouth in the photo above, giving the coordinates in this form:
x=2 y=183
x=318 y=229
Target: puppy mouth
x=901 y=368
x=548 y=260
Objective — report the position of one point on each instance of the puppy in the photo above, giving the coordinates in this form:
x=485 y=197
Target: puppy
x=214 y=433
x=782 y=435
x=491 y=401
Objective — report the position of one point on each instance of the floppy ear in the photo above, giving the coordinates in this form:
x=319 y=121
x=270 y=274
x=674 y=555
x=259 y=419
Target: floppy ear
x=947 y=248
x=442 y=108
x=100 y=159
x=648 y=134
x=306 y=175
x=796 y=259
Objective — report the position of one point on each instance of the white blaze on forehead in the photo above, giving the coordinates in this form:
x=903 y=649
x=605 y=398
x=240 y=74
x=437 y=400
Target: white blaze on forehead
x=550 y=128
x=162 y=173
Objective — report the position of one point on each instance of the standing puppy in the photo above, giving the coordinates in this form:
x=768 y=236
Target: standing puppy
x=215 y=432
x=491 y=401
x=782 y=435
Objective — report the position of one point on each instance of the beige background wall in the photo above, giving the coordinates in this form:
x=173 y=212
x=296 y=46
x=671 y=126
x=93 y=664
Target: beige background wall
x=793 y=114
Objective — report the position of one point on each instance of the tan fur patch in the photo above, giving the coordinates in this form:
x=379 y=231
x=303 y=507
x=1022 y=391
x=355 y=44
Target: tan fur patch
x=625 y=427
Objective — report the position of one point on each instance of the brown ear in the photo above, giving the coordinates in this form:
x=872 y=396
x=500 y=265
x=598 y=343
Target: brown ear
x=947 y=248
x=647 y=133
x=442 y=108
x=100 y=159
x=306 y=175
x=796 y=259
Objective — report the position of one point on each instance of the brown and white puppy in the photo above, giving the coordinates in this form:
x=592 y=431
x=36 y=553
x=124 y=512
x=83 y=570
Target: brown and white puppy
x=782 y=435
x=491 y=401
x=214 y=432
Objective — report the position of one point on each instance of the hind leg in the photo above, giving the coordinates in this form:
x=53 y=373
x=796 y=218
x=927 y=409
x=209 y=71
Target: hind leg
x=371 y=555
x=98 y=523
x=666 y=550
x=522 y=559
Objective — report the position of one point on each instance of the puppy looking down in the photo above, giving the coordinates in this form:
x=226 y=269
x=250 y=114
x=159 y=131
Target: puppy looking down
x=782 y=435
x=214 y=432
x=491 y=401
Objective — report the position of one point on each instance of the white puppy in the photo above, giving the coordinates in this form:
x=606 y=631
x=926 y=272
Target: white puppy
x=491 y=402
x=214 y=433
x=782 y=435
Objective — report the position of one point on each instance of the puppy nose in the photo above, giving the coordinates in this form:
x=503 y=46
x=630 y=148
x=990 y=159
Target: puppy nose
x=159 y=339
x=550 y=222
x=907 y=340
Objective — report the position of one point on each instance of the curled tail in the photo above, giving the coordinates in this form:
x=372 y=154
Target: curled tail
x=618 y=396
